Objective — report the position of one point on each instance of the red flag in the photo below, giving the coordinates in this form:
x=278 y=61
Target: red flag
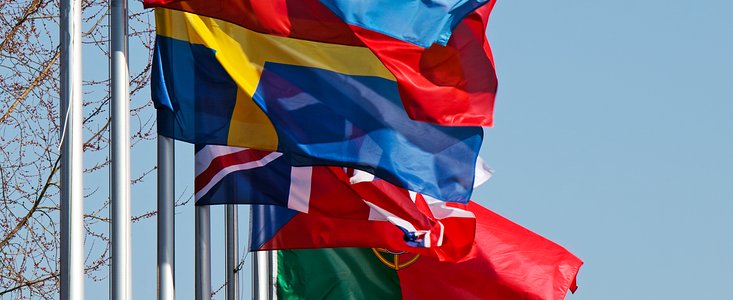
x=507 y=261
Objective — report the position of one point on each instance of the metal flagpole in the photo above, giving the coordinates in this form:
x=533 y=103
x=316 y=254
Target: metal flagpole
x=272 y=262
x=121 y=266
x=166 y=207
x=72 y=197
x=261 y=275
x=260 y=270
x=232 y=276
x=203 y=253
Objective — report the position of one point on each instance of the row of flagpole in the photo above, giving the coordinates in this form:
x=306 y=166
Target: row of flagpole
x=72 y=206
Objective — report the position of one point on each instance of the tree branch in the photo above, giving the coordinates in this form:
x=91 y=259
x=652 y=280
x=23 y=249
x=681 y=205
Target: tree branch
x=31 y=9
x=28 y=215
x=36 y=81
x=28 y=283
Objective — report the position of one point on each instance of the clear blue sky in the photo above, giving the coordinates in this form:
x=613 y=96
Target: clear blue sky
x=613 y=137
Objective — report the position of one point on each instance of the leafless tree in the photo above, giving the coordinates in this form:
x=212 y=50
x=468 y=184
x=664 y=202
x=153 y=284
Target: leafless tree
x=29 y=138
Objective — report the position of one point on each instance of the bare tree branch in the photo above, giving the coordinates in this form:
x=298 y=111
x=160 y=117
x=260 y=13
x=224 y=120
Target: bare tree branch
x=27 y=216
x=42 y=75
x=28 y=283
x=30 y=10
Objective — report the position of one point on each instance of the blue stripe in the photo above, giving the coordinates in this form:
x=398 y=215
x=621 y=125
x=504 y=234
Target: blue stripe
x=327 y=118
x=419 y=22
x=194 y=95
x=269 y=184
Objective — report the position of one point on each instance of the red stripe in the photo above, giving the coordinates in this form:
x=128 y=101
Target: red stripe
x=331 y=192
x=221 y=162
x=302 y=19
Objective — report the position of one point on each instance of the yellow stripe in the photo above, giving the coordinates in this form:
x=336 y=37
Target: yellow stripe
x=243 y=53
x=250 y=127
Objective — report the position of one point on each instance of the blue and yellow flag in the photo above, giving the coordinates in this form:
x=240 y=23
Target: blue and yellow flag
x=215 y=82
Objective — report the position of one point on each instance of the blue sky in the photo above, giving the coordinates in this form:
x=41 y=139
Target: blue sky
x=612 y=138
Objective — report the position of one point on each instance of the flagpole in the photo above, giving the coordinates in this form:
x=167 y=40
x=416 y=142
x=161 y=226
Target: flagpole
x=166 y=219
x=203 y=253
x=121 y=266
x=72 y=197
x=261 y=275
x=260 y=268
x=232 y=263
x=272 y=262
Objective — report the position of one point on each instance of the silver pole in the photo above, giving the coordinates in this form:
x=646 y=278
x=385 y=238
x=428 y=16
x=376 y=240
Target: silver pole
x=272 y=262
x=166 y=207
x=232 y=276
x=203 y=253
x=121 y=265
x=72 y=197
x=261 y=275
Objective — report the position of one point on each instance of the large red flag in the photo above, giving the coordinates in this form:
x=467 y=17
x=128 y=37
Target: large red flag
x=507 y=261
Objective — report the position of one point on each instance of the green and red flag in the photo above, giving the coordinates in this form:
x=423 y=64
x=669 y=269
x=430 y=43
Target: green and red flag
x=507 y=262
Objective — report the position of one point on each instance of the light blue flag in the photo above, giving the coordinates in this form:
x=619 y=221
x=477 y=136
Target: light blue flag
x=421 y=22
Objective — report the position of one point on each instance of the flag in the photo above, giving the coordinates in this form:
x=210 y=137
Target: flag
x=276 y=227
x=454 y=84
x=234 y=175
x=457 y=81
x=508 y=262
x=231 y=175
x=420 y=22
x=215 y=82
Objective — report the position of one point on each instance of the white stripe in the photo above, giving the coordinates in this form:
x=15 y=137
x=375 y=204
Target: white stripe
x=381 y=214
x=233 y=168
x=413 y=196
x=426 y=239
x=361 y=176
x=441 y=211
x=300 y=188
x=377 y=213
x=442 y=234
x=483 y=172
x=210 y=152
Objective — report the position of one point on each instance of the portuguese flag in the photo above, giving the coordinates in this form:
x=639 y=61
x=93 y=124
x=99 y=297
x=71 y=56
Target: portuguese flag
x=506 y=262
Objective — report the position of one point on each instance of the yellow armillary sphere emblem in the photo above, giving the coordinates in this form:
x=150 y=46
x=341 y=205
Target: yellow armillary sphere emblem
x=398 y=260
